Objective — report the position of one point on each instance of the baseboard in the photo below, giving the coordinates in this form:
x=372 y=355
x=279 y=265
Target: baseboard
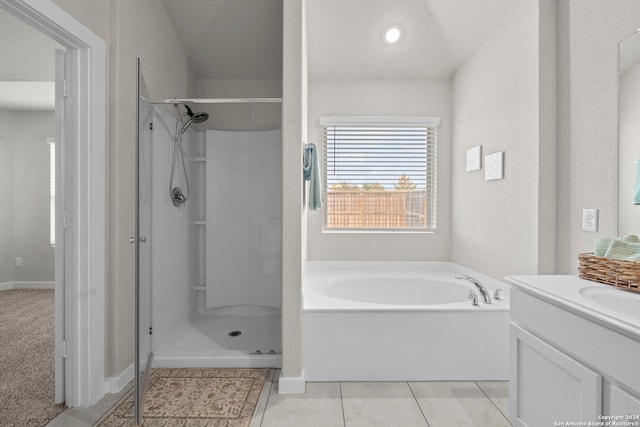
x=26 y=285
x=116 y=384
x=291 y=385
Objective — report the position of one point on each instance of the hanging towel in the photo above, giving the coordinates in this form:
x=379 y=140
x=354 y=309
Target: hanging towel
x=311 y=172
x=636 y=191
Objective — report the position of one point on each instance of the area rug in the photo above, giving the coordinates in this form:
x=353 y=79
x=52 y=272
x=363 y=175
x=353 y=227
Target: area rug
x=194 y=398
x=27 y=358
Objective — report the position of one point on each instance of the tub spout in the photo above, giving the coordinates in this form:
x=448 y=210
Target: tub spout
x=483 y=291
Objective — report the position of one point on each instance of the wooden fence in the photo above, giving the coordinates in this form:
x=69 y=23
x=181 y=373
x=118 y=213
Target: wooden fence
x=376 y=209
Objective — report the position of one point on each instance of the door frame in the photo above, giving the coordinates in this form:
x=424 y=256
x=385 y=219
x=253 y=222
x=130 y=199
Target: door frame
x=84 y=286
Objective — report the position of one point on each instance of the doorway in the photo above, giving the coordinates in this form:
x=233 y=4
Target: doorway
x=80 y=237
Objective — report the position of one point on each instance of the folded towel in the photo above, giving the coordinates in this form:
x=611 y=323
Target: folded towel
x=636 y=191
x=631 y=238
x=619 y=249
x=601 y=246
x=634 y=258
x=311 y=173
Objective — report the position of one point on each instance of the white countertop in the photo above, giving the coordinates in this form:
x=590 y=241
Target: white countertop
x=572 y=293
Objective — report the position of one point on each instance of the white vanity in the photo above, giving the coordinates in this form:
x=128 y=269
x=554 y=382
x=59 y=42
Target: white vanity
x=574 y=353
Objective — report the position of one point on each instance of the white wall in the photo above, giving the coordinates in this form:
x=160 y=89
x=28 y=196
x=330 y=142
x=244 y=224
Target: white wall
x=294 y=134
x=629 y=114
x=244 y=218
x=174 y=234
x=384 y=98
x=24 y=221
x=6 y=192
x=496 y=105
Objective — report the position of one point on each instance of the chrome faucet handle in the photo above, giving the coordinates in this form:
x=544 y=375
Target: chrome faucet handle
x=498 y=294
x=473 y=296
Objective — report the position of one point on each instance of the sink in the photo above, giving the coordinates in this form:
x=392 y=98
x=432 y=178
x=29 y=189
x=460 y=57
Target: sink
x=620 y=301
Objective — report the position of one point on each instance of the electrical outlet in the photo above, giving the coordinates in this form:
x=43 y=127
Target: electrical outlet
x=18 y=261
x=590 y=220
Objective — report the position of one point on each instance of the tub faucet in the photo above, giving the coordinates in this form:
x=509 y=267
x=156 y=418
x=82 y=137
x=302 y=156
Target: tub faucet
x=483 y=291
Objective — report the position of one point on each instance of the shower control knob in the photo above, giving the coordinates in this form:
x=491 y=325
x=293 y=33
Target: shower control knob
x=498 y=294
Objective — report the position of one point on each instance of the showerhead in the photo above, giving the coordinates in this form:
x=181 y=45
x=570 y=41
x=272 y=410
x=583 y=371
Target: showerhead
x=193 y=118
x=199 y=117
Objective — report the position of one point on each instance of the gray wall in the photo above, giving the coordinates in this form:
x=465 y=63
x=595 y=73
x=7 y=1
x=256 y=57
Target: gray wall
x=24 y=219
x=588 y=36
x=500 y=97
x=384 y=98
x=167 y=74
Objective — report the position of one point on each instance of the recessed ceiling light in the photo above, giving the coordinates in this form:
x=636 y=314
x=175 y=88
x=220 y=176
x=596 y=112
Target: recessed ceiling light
x=392 y=35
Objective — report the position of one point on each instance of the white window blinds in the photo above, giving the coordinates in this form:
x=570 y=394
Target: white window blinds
x=380 y=173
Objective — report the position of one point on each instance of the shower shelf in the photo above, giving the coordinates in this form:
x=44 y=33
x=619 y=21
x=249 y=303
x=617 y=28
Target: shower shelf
x=196 y=159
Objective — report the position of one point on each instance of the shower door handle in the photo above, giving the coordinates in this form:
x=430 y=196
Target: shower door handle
x=143 y=239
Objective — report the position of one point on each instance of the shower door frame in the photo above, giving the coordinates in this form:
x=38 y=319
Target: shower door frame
x=141 y=379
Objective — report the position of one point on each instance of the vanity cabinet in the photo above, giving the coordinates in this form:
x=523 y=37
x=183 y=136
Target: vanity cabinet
x=568 y=363
x=551 y=386
x=620 y=402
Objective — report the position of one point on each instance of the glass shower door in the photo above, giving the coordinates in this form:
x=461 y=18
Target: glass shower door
x=143 y=288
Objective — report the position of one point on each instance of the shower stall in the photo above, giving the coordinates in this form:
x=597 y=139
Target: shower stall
x=208 y=236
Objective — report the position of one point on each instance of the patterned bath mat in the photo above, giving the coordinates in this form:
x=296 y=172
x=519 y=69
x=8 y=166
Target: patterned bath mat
x=194 y=398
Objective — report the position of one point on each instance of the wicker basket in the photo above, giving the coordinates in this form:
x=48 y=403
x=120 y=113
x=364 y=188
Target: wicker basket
x=614 y=272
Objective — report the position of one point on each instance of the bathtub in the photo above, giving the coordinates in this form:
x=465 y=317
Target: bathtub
x=401 y=321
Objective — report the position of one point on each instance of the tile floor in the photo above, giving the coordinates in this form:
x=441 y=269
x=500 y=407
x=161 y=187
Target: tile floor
x=359 y=404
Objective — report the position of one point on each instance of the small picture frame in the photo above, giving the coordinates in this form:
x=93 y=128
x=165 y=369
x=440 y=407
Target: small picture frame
x=474 y=154
x=494 y=166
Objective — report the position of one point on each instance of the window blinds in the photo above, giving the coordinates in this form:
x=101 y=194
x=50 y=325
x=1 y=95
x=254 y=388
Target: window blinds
x=380 y=174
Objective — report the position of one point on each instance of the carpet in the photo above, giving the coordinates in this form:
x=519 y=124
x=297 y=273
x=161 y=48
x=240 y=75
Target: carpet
x=27 y=358
x=194 y=397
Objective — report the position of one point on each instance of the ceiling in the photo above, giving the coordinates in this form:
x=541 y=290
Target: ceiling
x=230 y=38
x=345 y=36
x=243 y=38
x=26 y=66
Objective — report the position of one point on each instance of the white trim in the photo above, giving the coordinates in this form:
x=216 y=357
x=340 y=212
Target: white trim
x=116 y=384
x=379 y=120
x=217 y=100
x=26 y=285
x=291 y=385
x=85 y=311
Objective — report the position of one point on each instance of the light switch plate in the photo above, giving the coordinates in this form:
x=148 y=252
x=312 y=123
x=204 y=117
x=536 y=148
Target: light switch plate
x=493 y=166
x=474 y=154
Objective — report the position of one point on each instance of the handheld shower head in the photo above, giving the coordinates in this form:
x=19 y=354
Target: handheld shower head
x=194 y=118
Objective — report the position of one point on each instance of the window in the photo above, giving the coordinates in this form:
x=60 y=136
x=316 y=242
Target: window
x=379 y=173
x=52 y=191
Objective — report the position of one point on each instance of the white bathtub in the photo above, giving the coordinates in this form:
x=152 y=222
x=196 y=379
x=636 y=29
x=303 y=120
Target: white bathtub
x=401 y=321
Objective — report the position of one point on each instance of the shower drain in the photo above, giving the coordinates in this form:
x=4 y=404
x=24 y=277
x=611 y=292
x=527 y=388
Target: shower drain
x=234 y=333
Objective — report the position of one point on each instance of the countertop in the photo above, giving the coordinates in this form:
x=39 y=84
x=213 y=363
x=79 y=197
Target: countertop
x=571 y=292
